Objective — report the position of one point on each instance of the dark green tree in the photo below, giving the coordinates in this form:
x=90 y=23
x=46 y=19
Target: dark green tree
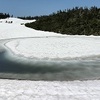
x=76 y=21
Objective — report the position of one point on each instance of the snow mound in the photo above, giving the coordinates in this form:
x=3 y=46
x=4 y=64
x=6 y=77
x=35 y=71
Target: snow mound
x=56 y=48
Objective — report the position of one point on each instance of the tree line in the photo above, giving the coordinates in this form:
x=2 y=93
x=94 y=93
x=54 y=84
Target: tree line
x=29 y=17
x=4 y=15
x=76 y=21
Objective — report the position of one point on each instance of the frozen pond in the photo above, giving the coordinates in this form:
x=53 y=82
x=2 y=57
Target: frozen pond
x=17 y=68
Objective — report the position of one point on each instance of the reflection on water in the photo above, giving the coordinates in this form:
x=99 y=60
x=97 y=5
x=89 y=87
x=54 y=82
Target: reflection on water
x=37 y=70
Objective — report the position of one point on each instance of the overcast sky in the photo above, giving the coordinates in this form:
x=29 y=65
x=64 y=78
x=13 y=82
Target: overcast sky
x=41 y=7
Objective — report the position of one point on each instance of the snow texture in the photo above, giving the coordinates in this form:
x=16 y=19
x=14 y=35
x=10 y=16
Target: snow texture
x=56 y=48
x=39 y=90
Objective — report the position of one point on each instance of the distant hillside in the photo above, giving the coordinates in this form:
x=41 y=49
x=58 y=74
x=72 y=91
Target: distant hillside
x=4 y=15
x=76 y=21
x=28 y=17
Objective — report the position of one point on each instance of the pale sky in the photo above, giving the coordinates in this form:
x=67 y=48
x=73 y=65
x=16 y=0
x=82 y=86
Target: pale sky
x=42 y=7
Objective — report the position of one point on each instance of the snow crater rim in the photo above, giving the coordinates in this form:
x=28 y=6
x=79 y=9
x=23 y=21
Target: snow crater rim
x=17 y=46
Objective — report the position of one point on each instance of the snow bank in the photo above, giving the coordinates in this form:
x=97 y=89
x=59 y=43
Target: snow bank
x=56 y=48
x=40 y=90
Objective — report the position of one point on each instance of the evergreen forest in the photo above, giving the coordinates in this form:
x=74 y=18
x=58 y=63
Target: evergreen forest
x=76 y=21
x=4 y=15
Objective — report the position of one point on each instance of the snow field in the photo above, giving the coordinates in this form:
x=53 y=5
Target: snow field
x=55 y=48
x=16 y=30
x=39 y=90
x=47 y=44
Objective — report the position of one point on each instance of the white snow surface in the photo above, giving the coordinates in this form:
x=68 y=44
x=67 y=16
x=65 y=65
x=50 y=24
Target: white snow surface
x=56 y=48
x=16 y=30
x=47 y=44
x=39 y=90
x=15 y=21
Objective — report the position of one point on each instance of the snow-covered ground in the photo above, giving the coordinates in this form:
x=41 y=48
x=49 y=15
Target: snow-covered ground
x=16 y=30
x=31 y=43
x=56 y=48
x=33 y=90
x=39 y=44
